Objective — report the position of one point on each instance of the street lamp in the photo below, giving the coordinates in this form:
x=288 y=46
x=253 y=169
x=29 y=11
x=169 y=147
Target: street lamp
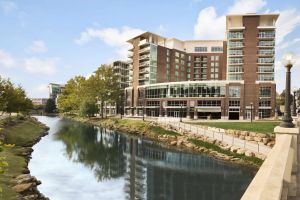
x=251 y=112
x=294 y=102
x=287 y=120
x=180 y=113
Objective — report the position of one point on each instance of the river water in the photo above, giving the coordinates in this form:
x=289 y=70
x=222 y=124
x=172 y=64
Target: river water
x=83 y=162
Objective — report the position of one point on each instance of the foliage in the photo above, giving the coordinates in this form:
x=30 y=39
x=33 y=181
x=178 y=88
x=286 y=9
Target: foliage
x=50 y=106
x=79 y=93
x=260 y=127
x=88 y=107
x=13 y=98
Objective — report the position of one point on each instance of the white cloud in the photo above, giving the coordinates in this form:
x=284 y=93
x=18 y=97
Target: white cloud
x=209 y=25
x=288 y=44
x=8 y=6
x=6 y=59
x=113 y=37
x=39 y=91
x=37 y=46
x=46 y=66
x=287 y=22
x=246 y=6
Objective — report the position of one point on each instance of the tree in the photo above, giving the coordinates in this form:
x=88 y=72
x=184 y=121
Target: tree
x=104 y=86
x=72 y=95
x=50 y=106
x=88 y=107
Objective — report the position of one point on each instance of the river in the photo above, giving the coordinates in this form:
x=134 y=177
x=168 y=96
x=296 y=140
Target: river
x=83 y=162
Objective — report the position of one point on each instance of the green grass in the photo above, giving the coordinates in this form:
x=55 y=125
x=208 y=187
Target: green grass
x=260 y=127
x=214 y=147
x=19 y=134
x=161 y=131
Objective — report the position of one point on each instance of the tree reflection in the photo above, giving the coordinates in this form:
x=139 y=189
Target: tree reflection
x=98 y=149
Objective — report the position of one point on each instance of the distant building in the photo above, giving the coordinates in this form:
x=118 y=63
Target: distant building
x=39 y=101
x=55 y=89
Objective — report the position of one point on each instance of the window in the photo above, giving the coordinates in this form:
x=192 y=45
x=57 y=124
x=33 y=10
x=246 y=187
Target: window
x=234 y=103
x=153 y=103
x=212 y=69
x=190 y=58
x=168 y=59
x=212 y=64
x=176 y=103
x=188 y=70
x=176 y=73
x=235 y=69
x=216 y=64
x=209 y=103
x=265 y=92
x=176 y=66
x=265 y=103
x=235 y=35
x=235 y=77
x=182 y=56
x=189 y=64
x=217 y=49
x=200 y=49
x=234 y=91
x=188 y=75
x=176 y=54
x=182 y=62
x=168 y=52
x=176 y=60
x=168 y=66
x=265 y=77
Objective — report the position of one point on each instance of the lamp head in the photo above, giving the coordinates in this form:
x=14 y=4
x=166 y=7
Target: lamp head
x=288 y=59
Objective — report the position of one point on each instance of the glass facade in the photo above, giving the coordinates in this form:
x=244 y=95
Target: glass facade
x=153 y=63
x=186 y=90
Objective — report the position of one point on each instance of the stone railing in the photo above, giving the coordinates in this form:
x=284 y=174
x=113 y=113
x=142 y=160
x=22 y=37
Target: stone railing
x=276 y=179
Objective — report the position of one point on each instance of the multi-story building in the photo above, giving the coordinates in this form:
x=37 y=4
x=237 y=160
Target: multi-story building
x=55 y=90
x=231 y=78
x=39 y=101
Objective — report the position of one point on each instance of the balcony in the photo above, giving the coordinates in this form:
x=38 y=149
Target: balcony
x=144 y=50
x=265 y=61
x=144 y=42
x=235 y=45
x=266 y=35
x=130 y=54
x=266 y=44
x=144 y=57
x=266 y=53
x=144 y=64
x=144 y=71
x=235 y=36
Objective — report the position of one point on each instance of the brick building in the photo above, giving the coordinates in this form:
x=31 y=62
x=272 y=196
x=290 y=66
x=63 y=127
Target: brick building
x=231 y=78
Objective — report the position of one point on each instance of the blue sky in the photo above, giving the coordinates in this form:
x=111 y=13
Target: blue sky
x=46 y=41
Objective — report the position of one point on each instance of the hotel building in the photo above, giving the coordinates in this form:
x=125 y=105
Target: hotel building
x=230 y=79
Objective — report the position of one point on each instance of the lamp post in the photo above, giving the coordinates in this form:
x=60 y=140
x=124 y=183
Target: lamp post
x=287 y=120
x=294 y=113
x=180 y=113
x=251 y=111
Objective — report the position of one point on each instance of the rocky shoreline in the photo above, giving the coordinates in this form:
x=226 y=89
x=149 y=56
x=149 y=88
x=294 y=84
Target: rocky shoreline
x=179 y=142
x=25 y=184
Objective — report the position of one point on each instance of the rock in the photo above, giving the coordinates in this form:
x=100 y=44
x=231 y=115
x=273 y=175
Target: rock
x=249 y=153
x=242 y=137
x=253 y=134
x=249 y=138
x=189 y=145
x=240 y=151
x=262 y=135
x=260 y=156
x=179 y=142
x=23 y=176
x=265 y=140
x=234 y=149
x=257 y=139
x=173 y=143
x=244 y=133
x=23 y=187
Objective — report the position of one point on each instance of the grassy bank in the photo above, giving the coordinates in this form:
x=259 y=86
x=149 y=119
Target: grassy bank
x=259 y=127
x=153 y=131
x=22 y=133
x=214 y=147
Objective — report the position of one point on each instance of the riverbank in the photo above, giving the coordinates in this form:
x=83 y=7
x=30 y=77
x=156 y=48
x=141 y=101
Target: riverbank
x=22 y=133
x=173 y=138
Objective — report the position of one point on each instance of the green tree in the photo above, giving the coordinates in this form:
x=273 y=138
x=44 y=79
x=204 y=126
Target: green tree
x=50 y=106
x=104 y=86
x=88 y=107
x=72 y=95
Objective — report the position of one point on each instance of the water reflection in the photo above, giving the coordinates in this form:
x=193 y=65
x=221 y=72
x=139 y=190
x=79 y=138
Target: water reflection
x=151 y=172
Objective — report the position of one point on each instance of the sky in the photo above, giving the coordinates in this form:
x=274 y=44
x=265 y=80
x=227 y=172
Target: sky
x=45 y=41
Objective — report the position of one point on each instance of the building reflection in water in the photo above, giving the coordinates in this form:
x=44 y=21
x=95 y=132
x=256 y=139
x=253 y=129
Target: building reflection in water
x=150 y=171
